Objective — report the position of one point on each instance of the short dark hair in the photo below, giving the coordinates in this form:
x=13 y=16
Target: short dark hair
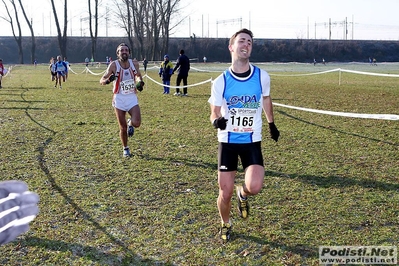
x=122 y=44
x=244 y=30
x=181 y=51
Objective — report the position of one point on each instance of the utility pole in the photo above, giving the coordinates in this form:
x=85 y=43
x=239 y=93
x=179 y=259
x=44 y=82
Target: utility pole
x=81 y=28
x=106 y=21
x=330 y=24
x=321 y=24
x=208 y=27
x=202 y=35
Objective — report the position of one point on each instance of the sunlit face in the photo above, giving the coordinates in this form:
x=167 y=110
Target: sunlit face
x=242 y=46
x=123 y=53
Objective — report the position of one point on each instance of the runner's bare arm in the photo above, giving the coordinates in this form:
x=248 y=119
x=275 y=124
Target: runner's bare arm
x=110 y=70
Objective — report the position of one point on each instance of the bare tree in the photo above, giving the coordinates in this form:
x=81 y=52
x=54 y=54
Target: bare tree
x=166 y=11
x=33 y=47
x=62 y=38
x=94 y=35
x=11 y=21
x=126 y=15
x=148 y=24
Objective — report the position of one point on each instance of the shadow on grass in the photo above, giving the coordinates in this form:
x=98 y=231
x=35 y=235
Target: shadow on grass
x=336 y=130
x=302 y=250
x=23 y=101
x=91 y=253
x=21 y=108
x=338 y=181
x=103 y=258
x=130 y=258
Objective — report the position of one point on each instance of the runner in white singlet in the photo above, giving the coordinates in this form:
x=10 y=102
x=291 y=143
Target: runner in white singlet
x=127 y=79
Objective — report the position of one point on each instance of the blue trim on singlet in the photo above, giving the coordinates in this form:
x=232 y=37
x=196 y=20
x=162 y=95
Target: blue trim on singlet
x=251 y=87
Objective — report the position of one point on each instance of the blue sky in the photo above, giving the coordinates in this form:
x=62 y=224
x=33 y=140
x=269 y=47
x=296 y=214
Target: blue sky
x=364 y=19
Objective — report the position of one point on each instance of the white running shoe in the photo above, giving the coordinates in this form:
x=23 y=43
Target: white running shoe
x=126 y=152
x=130 y=129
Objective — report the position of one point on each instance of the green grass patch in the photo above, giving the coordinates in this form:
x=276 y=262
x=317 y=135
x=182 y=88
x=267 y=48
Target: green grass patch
x=329 y=180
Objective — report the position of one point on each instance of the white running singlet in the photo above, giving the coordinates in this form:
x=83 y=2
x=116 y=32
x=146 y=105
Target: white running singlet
x=124 y=88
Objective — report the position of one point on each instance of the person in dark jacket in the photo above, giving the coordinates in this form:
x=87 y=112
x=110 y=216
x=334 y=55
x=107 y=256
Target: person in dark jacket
x=183 y=66
x=165 y=72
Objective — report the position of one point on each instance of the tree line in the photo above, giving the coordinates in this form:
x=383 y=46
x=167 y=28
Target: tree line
x=147 y=24
x=264 y=50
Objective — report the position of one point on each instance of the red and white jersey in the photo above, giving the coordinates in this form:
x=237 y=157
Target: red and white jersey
x=125 y=82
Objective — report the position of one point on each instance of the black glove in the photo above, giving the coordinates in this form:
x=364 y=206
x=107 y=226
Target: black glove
x=160 y=74
x=140 y=85
x=274 y=133
x=17 y=208
x=220 y=122
x=110 y=79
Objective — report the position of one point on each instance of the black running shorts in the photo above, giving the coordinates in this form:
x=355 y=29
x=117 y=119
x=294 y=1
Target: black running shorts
x=249 y=154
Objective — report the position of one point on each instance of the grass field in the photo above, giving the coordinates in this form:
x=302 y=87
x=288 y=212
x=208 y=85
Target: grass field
x=329 y=180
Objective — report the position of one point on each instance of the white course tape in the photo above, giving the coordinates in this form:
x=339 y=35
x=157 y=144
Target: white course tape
x=70 y=69
x=369 y=73
x=335 y=70
x=356 y=115
x=96 y=74
x=207 y=71
x=308 y=74
x=191 y=85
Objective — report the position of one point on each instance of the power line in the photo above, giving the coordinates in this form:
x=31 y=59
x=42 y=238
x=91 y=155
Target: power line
x=225 y=22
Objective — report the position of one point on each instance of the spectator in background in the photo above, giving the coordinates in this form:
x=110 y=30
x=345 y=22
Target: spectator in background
x=145 y=63
x=68 y=65
x=87 y=61
x=166 y=71
x=183 y=66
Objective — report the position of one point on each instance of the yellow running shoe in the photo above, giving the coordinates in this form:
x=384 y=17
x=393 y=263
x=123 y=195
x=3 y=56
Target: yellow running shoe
x=225 y=232
x=243 y=206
